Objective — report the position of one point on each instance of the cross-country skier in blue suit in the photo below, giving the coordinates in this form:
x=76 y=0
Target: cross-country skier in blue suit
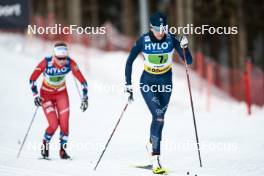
x=157 y=47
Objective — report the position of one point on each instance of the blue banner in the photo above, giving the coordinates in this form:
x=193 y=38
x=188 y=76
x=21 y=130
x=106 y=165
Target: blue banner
x=14 y=14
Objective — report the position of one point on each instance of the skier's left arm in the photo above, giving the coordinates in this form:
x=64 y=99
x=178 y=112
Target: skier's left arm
x=78 y=74
x=180 y=44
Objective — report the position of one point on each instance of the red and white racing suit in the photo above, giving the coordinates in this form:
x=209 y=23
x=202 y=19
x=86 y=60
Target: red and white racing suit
x=55 y=101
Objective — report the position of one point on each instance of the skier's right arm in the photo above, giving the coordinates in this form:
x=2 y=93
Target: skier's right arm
x=34 y=76
x=137 y=48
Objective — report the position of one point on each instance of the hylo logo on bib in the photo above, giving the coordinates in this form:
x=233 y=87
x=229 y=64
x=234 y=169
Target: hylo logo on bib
x=54 y=70
x=156 y=46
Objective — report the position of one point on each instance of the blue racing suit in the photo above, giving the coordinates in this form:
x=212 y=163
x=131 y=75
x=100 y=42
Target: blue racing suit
x=156 y=79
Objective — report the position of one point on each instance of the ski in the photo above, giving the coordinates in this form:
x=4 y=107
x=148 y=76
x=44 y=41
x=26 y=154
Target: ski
x=48 y=159
x=69 y=159
x=149 y=167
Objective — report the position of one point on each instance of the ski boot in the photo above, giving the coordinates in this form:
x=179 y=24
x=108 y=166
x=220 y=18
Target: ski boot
x=45 y=149
x=156 y=165
x=63 y=153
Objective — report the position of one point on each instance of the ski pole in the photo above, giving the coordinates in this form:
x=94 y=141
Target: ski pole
x=111 y=136
x=24 y=140
x=191 y=100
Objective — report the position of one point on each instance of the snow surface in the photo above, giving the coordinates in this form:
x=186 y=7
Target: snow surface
x=232 y=142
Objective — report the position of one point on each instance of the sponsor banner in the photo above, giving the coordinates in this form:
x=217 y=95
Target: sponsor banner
x=14 y=13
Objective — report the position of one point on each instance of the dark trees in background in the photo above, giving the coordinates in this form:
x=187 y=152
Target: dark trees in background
x=247 y=44
x=128 y=21
x=230 y=50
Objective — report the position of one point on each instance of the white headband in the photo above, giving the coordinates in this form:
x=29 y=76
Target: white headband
x=60 y=51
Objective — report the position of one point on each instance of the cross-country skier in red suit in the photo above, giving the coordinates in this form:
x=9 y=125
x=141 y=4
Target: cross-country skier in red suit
x=53 y=95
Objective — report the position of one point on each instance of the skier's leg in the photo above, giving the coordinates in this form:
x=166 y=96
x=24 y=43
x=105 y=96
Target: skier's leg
x=63 y=113
x=157 y=123
x=152 y=100
x=51 y=115
x=164 y=99
x=157 y=100
x=155 y=130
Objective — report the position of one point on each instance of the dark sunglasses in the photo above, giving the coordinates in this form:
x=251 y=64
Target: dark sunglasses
x=61 y=58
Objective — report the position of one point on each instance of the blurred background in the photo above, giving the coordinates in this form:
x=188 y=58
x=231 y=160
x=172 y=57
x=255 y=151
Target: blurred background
x=232 y=63
x=227 y=79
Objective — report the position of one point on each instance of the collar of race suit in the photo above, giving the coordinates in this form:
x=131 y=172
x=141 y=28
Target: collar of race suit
x=154 y=39
x=56 y=64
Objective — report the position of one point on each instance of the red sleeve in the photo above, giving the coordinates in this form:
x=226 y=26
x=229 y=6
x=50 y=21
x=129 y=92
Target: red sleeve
x=38 y=70
x=76 y=71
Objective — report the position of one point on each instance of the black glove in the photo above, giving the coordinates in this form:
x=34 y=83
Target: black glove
x=129 y=93
x=37 y=101
x=84 y=104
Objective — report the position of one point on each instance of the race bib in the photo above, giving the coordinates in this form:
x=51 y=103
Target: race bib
x=56 y=79
x=158 y=58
